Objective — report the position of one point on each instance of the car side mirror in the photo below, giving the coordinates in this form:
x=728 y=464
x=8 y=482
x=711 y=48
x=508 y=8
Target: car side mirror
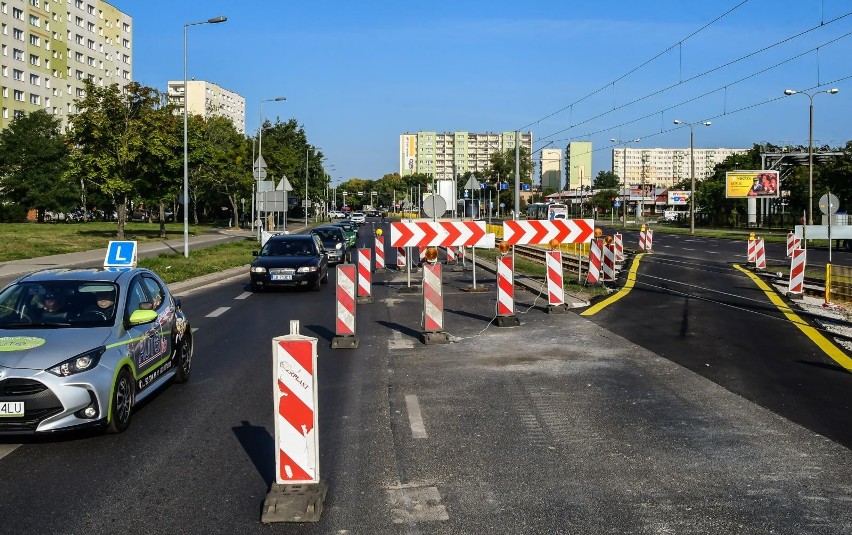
x=141 y=316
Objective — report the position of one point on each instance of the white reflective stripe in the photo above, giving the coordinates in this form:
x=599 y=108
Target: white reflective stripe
x=6 y=449
x=297 y=445
x=244 y=295
x=415 y=418
x=555 y=286
x=218 y=312
x=288 y=371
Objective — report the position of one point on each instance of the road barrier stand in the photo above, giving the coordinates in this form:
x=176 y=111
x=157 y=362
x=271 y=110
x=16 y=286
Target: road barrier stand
x=642 y=238
x=649 y=241
x=750 y=251
x=400 y=258
x=793 y=243
x=298 y=493
x=555 y=284
x=506 y=293
x=618 y=241
x=451 y=255
x=380 y=251
x=433 y=303
x=608 y=263
x=759 y=254
x=796 y=287
x=365 y=277
x=422 y=251
x=345 y=324
x=595 y=262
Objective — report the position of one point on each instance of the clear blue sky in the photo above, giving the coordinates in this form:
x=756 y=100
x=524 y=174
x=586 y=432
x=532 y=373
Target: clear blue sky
x=358 y=74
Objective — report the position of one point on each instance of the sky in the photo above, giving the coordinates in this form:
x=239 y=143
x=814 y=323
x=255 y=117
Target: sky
x=357 y=74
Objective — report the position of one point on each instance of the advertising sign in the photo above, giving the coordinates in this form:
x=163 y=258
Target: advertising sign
x=746 y=184
x=678 y=198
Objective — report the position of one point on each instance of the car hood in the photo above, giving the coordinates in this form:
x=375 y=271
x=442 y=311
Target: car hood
x=39 y=349
x=285 y=261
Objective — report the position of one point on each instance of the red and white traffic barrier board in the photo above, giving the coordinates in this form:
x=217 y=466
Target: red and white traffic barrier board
x=759 y=254
x=422 y=251
x=797 y=271
x=436 y=233
x=538 y=232
x=505 y=286
x=451 y=254
x=793 y=243
x=555 y=282
x=618 y=241
x=608 y=262
x=649 y=240
x=345 y=324
x=365 y=276
x=751 y=251
x=400 y=258
x=595 y=262
x=380 y=252
x=296 y=418
x=433 y=298
x=642 y=239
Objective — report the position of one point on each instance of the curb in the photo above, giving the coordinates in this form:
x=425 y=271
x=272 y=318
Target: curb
x=204 y=280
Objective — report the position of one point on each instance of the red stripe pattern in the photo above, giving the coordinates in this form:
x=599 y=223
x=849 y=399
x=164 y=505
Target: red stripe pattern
x=436 y=233
x=380 y=252
x=345 y=300
x=295 y=425
x=365 y=274
x=505 y=286
x=595 y=262
x=433 y=298
x=539 y=232
x=555 y=282
x=759 y=254
x=797 y=271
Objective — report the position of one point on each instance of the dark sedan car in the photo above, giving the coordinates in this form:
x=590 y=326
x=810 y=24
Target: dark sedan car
x=335 y=242
x=294 y=260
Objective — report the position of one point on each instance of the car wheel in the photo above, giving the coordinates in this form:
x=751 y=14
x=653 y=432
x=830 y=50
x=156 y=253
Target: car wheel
x=184 y=361
x=324 y=278
x=121 y=404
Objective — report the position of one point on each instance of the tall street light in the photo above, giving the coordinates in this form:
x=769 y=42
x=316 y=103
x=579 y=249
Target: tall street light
x=624 y=177
x=260 y=155
x=692 y=169
x=832 y=91
x=214 y=20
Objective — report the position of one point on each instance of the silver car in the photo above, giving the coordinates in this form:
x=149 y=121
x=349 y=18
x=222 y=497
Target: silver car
x=80 y=347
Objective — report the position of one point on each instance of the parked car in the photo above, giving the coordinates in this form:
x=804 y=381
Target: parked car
x=335 y=243
x=349 y=229
x=294 y=260
x=358 y=218
x=80 y=348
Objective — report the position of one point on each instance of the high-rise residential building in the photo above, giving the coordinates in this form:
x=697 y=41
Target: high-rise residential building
x=48 y=47
x=578 y=162
x=208 y=99
x=550 y=169
x=663 y=168
x=445 y=155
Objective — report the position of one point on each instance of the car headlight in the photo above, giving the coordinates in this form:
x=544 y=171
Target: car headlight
x=81 y=363
x=258 y=269
x=339 y=246
x=307 y=269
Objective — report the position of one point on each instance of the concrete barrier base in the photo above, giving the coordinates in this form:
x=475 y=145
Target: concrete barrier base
x=557 y=309
x=507 y=321
x=294 y=503
x=435 y=338
x=345 y=342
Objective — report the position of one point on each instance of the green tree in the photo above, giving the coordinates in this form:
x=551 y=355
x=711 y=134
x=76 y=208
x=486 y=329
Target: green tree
x=110 y=135
x=33 y=164
x=225 y=172
x=606 y=180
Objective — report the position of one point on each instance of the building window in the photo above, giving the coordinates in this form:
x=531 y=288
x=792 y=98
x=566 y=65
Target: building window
x=78 y=21
x=125 y=43
x=35 y=99
x=91 y=61
x=34 y=79
x=125 y=27
x=17 y=74
x=5 y=113
x=78 y=4
x=90 y=44
x=78 y=39
x=35 y=60
x=34 y=3
x=17 y=13
x=18 y=54
x=78 y=75
x=19 y=95
x=78 y=56
x=90 y=9
x=34 y=40
x=17 y=34
x=18 y=114
x=35 y=21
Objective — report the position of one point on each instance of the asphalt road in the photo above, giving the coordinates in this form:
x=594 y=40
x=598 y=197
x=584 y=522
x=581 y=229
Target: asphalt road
x=556 y=426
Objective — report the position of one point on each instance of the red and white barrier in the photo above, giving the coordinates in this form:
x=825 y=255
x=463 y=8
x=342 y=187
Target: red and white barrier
x=365 y=276
x=618 y=241
x=433 y=304
x=751 y=251
x=608 y=262
x=506 y=293
x=642 y=239
x=797 y=272
x=296 y=415
x=555 y=281
x=759 y=254
x=400 y=258
x=540 y=231
x=649 y=240
x=793 y=243
x=422 y=251
x=380 y=252
x=345 y=324
x=595 y=262
x=451 y=255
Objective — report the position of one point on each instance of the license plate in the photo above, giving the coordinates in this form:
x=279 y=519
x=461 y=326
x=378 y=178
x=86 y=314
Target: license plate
x=282 y=277
x=11 y=408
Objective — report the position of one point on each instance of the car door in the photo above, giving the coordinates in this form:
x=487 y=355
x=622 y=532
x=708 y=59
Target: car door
x=150 y=343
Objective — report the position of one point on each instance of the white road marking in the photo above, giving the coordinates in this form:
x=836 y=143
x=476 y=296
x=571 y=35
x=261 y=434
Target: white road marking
x=244 y=295
x=6 y=449
x=194 y=329
x=415 y=419
x=688 y=249
x=218 y=312
x=398 y=342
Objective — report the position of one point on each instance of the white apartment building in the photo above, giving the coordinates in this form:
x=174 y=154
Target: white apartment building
x=48 y=47
x=550 y=169
x=662 y=167
x=441 y=154
x=208 y=99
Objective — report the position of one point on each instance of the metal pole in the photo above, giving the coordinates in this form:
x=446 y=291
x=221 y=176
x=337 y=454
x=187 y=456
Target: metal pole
x=692 y=173
x=811 y=165
x=517 y=175
x=624 y=188
x=185 y=155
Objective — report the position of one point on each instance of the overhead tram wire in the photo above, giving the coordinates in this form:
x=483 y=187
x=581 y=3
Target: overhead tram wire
x=717 y=68
x=640 y=66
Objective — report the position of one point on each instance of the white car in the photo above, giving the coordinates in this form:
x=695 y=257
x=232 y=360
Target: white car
x=358 y=218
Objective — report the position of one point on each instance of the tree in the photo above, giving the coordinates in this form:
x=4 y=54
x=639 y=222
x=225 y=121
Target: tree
x=606 y=180
x=110 y=135
x=33 y=164
x=226 y=170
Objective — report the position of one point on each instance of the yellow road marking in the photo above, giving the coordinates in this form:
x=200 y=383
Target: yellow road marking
x=631 y=281
x=834 y=352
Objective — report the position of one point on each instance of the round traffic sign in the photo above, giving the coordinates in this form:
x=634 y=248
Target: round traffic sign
x=828 y=204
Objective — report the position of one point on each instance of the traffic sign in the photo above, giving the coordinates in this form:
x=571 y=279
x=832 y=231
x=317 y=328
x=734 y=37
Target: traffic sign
x=120 y=254
x=828 y=204
x=617 y=204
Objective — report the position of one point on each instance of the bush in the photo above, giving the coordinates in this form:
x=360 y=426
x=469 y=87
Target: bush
x=12 y=213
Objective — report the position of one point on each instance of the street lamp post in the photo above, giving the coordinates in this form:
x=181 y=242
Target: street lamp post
x=260 y=155
x=692 y=169
x=624 y=177
x=832 y=91
x=214 y=20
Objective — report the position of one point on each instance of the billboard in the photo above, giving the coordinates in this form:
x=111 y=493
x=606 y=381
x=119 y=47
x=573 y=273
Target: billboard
x=752 y=184
x=408 y=153
x=678 y=197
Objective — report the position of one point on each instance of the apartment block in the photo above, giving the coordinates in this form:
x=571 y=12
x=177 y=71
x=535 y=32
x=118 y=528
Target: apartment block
x=578 y=162
x=48 y=47
x=550 y=169
x=665 y=167
x=446 y=154
x=208 y=99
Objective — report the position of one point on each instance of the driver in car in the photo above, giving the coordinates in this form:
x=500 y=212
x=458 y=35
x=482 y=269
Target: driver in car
x=104 y=303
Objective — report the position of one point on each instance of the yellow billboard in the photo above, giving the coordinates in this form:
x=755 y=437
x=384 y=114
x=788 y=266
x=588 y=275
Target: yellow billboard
x=749 y=184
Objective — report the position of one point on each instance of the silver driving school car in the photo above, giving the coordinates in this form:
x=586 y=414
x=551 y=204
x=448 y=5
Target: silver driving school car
x=80 y=347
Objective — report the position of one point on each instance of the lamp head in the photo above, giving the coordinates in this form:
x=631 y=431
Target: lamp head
x=637 y=140
x=279 y=99
x=833 y=91
x=706 y=123
x=216 y=20
x=789 y=92
x=612 y=139
x=677 y=121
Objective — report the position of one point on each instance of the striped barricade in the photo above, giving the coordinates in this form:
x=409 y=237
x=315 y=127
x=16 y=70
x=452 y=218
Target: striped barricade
x=506 y=293
x=345 y=309
x=380 y=252
x=608 y=262
x=400 y=258
x=759 y=254
x=595 y=262
x=555 y=283
x=649 y=241
x=793 y=243
x=433 y=305
x=797 y=272
x=365 y=276
x=618 y=241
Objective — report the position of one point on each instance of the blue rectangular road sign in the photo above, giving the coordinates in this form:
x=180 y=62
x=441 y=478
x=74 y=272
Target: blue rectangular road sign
x=121 y=254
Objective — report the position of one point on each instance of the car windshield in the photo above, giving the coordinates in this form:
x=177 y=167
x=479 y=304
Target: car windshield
x=58 y=303
x=346 y=227
x=289 y=248
x=329 y=234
